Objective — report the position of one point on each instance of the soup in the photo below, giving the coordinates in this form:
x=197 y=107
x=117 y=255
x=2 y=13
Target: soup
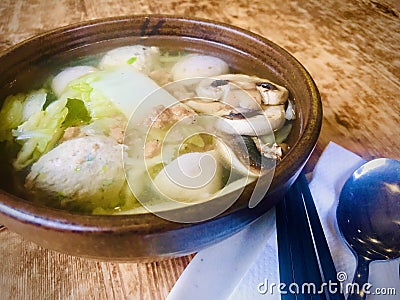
x=140 y=125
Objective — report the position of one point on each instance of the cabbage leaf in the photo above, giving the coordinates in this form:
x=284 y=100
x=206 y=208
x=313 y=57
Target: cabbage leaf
x=11 y=115
x=39 y=133
x=34 y=103
x=95 y=102
x=37 y=124
x=120 y=90
x=77 y=113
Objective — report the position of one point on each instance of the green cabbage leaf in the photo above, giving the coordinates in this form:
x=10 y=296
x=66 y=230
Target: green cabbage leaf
x=39 y=133
x=11 y=115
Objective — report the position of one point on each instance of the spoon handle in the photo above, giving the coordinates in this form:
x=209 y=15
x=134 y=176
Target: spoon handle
x=360 y=286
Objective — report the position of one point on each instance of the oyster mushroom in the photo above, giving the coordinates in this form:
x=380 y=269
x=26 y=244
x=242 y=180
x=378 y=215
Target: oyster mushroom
x=208 y=106
x=253 y=123
x=261 y=100
x=273 y=150
x=232 y=88
x=242 y=155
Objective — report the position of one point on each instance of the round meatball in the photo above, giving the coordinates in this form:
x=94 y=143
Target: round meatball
x=85 y=172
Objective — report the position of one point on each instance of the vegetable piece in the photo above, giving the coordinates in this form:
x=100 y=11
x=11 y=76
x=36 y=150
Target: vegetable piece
x=62 y=79
x=11 y=115
x=290 y=113
x=282 y=134
x=103 y=94
x=278 y=136
x=99 y=127
x=39 y=133
x=77 y=113
x=167 y=57
x=34 y=103
x=122 y=89
x=97 y=104
x=131 y=60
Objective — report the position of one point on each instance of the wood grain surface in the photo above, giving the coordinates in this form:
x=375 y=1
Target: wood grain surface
x=351 y=48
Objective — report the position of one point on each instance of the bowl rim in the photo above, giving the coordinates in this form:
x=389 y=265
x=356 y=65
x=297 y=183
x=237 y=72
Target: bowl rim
x=62 y=220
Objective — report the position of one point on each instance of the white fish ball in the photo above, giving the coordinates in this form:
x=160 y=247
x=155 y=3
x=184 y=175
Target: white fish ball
x=192 y=176
x=142 y=58
x=196 y=65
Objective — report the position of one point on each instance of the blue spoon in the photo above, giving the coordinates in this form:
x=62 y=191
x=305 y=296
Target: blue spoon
x=368 y=216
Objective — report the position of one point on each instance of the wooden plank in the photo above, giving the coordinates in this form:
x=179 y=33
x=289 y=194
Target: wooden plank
x=28 y=270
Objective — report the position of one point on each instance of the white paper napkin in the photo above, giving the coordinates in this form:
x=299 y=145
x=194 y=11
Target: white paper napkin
x=242 y=266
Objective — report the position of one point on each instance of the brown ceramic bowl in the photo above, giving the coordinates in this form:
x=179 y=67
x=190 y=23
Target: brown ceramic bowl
x=146 y=236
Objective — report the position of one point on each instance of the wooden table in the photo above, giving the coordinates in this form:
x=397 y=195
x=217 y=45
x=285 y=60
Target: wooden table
x=351 y=49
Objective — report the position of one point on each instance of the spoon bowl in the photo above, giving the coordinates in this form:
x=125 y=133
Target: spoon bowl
x=368 y=216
